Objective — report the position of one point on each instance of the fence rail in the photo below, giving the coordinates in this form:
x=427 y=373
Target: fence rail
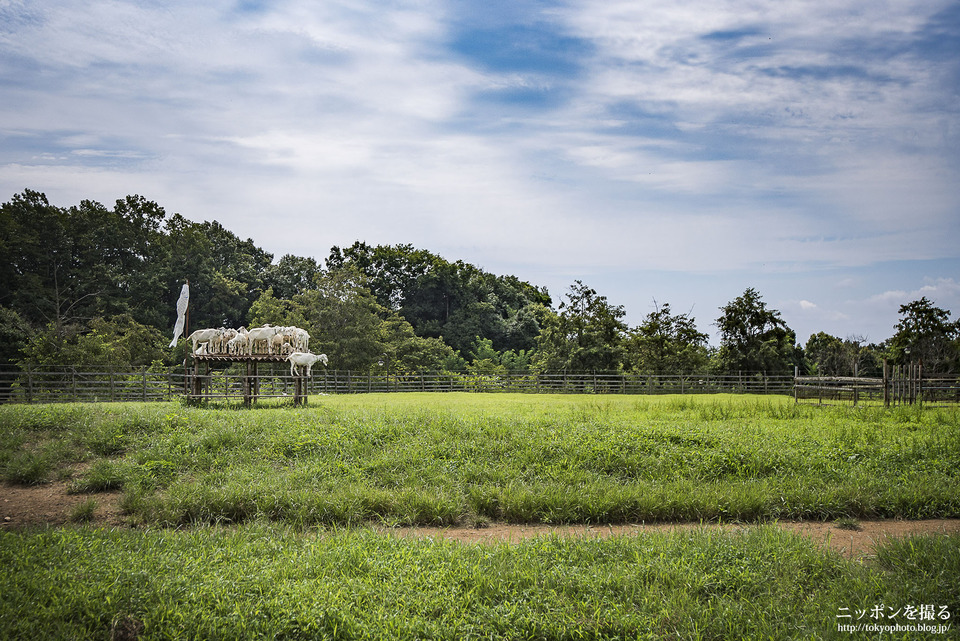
x=900 y=385
x=68 y=385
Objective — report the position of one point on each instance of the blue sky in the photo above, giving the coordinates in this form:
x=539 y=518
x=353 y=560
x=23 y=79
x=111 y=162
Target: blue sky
x=667 y=151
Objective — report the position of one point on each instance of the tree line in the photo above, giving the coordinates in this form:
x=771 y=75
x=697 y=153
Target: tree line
x=95 y=287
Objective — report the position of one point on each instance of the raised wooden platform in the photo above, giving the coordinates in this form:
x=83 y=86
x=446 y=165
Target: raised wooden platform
x=239 y=358
x=196 y=381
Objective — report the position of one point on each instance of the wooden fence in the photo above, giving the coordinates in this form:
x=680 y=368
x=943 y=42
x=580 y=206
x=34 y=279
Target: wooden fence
x=900 y=385
x=272 y=380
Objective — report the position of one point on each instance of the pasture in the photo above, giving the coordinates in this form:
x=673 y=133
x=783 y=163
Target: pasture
x=251 y=522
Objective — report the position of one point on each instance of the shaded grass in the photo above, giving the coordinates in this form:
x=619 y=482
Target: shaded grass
x=262 y=581
x=441 y=459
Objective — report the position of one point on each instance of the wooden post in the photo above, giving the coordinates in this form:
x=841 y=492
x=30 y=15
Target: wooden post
x=246 y=384
x=256 y=383
x=856 y=374
x=886 y=384
x=920 y=381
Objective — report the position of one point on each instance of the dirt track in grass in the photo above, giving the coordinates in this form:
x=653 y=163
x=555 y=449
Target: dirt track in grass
x=50 y=504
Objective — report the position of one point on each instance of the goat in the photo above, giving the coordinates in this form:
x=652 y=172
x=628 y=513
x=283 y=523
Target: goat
x=265 y=333
x=203 y=336
x=238 y=344
x=303 y=360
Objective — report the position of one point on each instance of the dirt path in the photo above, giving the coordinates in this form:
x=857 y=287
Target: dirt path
x=50 y=504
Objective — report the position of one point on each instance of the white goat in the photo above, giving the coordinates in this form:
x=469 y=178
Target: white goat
x=203 y=336
x=300 y=360
x=265 y=333
x=238 y=344
x=221 y=342
x=301 y=339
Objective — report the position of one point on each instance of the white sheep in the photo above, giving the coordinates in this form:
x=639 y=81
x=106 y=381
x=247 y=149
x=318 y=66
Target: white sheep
x=300 y=360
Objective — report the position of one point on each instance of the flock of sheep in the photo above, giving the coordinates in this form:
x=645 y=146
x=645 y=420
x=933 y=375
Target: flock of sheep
x=291 y=342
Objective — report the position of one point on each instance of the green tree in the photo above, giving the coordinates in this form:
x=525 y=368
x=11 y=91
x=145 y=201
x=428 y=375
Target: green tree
x=14 y=333
x=456 y=301
x=754 y=338
x=118 y=343
x=404 y=351
x=585 y=335
x=829 y=356
x=225 y=272
x=825 y=355
x=292 y=275
x=926 y=334
x=667 y=343
x=484 y=359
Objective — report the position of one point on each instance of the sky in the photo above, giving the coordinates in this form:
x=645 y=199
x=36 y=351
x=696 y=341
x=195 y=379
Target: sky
x=665 y=151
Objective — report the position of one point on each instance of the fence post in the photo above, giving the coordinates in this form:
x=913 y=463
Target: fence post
x=856 y=391
x=920 y=382
x=144 y=384
x=886 y=385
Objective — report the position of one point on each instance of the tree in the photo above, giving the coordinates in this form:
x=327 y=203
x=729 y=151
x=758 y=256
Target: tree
x=586 y=335
x=14 y=333
x=667 y=344
x=925 y=334
x=829 y=356
x=292 y=275
x=456 y=301
x=754 y=338
x=118 y=343
x=825 y=355
x=347 y=324
x=225 y=272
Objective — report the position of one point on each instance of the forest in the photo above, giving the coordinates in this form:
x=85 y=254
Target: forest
x=96 y=287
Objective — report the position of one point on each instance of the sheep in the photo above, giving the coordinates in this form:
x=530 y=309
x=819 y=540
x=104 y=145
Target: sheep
x=301 y=360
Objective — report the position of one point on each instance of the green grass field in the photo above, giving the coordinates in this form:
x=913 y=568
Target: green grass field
x=443 y=459
x=250 y=522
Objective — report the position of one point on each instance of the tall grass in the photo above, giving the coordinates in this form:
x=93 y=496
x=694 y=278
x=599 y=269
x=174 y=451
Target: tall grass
x=268 y=582
x=442 y=459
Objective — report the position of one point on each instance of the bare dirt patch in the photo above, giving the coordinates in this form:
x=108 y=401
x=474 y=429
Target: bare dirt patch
x=850 y=543
x=50 y=504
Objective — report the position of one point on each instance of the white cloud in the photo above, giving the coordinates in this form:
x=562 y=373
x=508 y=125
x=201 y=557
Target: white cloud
x=779 y=150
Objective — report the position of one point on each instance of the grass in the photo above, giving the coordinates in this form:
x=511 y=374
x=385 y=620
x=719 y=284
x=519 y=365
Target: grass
x=83 y=512
x=261 y=581
x=290 y=480
x=443 y=459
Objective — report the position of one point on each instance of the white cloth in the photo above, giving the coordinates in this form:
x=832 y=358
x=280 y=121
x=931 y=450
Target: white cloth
x=181 y=314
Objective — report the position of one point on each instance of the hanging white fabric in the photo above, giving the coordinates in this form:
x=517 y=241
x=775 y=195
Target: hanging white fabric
x=181 y=314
